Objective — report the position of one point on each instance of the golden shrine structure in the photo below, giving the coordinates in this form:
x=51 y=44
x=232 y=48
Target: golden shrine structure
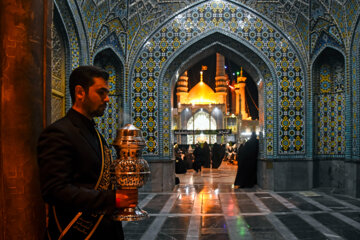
x=203 y=114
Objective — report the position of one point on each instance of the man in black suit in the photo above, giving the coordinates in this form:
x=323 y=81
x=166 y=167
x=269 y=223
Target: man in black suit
x=74 y=162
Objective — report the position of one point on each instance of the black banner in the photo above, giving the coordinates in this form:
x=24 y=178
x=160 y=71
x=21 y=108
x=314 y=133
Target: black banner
x=193 y=132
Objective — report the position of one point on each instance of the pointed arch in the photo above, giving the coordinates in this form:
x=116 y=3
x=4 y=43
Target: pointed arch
x=82 y=33
x=210 y=43
x=113 y=117
x=71 y=32
x=72 y=37
x=329 y=128
x=249 y=29
x=329 y=104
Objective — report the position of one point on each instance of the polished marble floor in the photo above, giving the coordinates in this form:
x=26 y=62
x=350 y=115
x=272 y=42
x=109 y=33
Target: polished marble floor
x=206 y=206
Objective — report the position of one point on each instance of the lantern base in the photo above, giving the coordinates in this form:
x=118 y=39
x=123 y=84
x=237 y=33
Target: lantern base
x=130 y=214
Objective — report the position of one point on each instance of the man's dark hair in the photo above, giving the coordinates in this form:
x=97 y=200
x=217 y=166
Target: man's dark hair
x=83 y=76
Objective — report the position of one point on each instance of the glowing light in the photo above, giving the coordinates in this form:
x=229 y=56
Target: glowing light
x=201 y=93
x=240 y=224
x=201 y=119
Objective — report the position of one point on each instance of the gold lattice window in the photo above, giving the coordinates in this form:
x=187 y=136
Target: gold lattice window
x=57 y=75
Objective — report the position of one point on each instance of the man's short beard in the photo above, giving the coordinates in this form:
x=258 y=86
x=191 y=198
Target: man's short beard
x=95 y=113
x=98 y=113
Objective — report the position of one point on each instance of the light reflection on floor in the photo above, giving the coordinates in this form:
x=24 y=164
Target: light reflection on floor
x=205 y=205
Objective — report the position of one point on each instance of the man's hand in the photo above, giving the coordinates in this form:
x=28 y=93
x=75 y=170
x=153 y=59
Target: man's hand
x=126 y=198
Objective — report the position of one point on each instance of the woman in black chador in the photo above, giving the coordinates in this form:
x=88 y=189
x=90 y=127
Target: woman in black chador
x=206 y=155
x=216 y=156
x=247 y=163
x=222 y=151
x=197 y=158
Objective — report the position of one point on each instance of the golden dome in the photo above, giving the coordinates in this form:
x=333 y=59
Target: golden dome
x=201 y=93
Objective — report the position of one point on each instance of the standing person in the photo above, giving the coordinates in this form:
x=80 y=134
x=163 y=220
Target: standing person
x=216 y=155
x=74 y=162
x=239 y=158
x=206 y=155
x=247 y=163
x=180 y=166
x=222 y=151
x=197 y=158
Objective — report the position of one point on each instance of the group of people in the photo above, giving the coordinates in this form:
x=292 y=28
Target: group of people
x=200 y=156
x=246 y=155
x=204 y=157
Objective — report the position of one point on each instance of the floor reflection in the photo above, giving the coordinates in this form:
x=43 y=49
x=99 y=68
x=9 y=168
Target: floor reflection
x=205 y=205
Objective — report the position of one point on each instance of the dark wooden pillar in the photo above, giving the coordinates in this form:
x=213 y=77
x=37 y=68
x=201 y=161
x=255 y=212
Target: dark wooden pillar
x=24 y=79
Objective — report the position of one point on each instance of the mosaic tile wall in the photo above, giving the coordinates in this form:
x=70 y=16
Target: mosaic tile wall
x=344 y=16
x=105 y=24
x=355 y=81
x=292 y=16
x=73 y=41
x=130 y=28
x=71 y=31
x=330 y=110
x=125 y=25
x=252 y=30
x=330 y=124
x=109 y=123
x=146 y=15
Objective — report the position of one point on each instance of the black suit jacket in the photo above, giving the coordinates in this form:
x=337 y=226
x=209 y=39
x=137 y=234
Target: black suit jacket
x=70 y=165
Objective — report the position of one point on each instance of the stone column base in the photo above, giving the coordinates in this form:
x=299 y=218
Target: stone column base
x=352 y=178
x=285 y=175
x=162 y=177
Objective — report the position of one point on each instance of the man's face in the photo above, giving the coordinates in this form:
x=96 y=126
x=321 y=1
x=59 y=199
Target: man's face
x=96 y=98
